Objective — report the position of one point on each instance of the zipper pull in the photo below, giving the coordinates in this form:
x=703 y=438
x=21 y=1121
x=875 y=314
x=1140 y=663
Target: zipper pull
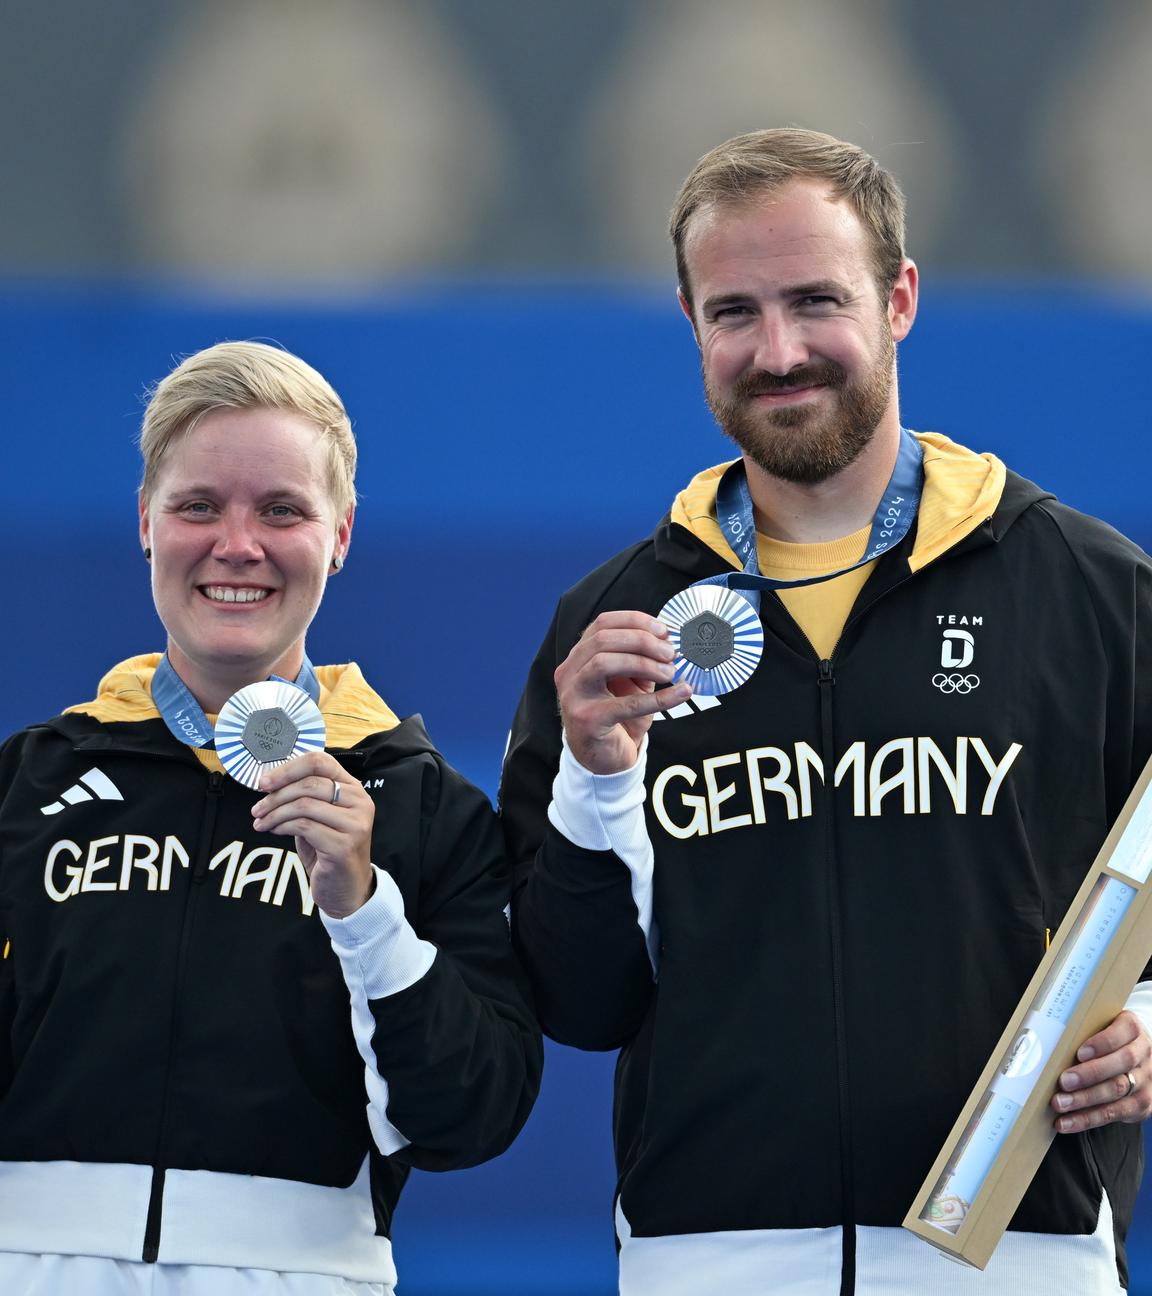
x=826 y=676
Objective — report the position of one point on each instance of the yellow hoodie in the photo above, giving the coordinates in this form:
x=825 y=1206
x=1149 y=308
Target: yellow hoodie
x=961 y=490
x=350 y=706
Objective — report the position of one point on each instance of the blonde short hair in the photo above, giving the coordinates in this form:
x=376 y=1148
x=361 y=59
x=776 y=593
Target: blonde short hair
x=746 y=166
x=248 y=375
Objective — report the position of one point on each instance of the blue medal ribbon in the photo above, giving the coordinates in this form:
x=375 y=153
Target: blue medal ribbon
x=893 y=519
x=185 y=717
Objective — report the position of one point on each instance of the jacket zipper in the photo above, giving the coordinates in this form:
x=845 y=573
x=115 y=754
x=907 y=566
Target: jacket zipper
x=827 y=681
x=199 y=872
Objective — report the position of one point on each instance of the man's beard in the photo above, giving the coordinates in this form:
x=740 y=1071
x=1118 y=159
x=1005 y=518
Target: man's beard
x=800 y=443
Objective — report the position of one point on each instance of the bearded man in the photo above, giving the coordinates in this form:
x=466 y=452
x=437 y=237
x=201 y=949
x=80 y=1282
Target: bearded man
x=836 y=746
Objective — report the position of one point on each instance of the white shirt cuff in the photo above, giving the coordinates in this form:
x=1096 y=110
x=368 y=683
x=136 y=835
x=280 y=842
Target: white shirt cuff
x=605 y=812
x=377 y=945
x=599 y=811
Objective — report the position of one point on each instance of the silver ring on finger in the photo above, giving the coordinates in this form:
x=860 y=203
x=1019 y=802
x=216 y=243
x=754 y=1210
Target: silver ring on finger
x=336 y=801
x=1131 y=1084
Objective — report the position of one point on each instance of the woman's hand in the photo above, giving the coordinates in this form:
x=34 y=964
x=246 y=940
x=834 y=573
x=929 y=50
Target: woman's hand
x=313 y=799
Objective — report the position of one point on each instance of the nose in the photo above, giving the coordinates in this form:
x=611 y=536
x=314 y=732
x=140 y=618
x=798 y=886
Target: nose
x=237 y=540
x=780 y=346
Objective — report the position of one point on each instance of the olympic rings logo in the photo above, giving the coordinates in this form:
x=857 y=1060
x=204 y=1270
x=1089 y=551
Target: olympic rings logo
x=956 y=683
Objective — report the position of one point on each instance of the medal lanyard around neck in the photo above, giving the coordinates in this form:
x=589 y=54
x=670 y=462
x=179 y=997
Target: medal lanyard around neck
x=185 y=717
x=894 y=516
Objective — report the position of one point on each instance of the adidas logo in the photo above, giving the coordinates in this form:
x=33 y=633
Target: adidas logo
x=93 y=786
x=693 y=706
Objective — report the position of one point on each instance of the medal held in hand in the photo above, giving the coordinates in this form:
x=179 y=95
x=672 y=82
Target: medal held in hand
x=265 y=724
x=717 y=635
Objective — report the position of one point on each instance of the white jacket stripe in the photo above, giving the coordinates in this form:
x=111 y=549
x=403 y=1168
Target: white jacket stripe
x=239 y=1221
x=380 y=954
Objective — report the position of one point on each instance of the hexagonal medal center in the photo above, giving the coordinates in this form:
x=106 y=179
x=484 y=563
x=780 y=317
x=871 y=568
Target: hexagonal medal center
x=706 y=640
x=269 y=735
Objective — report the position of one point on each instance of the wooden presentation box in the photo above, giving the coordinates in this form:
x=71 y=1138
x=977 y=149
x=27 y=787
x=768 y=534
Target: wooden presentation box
x=999 y=1139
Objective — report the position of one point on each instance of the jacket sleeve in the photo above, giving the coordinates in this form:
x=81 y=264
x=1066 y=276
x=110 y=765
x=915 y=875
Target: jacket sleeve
x=441 y=1012
x=1141 y=710
x=8 y=759
x=1118 y=578
x=577 y=906
x=7 y=1013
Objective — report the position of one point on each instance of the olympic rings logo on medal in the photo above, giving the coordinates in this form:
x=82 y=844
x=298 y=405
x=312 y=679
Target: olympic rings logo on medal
x=955 y=683
x=725 y=638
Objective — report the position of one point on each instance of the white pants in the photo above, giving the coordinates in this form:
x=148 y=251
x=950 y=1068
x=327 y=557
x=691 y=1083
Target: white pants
x=56 y=1275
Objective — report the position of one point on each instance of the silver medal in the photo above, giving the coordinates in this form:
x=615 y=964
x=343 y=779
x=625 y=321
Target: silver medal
x=717 y=636
x=263 y=725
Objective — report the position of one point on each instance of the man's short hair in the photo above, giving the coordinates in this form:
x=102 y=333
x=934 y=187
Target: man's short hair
x=746 y=166
x=242 y=376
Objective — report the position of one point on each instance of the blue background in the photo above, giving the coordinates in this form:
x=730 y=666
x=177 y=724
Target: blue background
x=510 y=439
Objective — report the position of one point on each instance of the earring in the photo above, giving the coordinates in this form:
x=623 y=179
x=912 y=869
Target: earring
x=337 y=562
x=147 y=554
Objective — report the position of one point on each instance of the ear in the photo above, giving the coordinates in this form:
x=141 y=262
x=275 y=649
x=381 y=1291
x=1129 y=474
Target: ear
x=344 y=534
x=145 y=527
x=686 y=307
x=903 y=299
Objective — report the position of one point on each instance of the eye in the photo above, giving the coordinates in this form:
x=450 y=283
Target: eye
x=197 y=509
x=730 y=312
x=281 y=513
x=817 y=300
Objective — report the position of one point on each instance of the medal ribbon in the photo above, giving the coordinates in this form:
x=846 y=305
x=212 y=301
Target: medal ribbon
x=893 y=519
x=185 y=717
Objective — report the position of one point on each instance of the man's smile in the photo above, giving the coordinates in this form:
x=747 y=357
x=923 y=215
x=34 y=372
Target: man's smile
x=788 y=395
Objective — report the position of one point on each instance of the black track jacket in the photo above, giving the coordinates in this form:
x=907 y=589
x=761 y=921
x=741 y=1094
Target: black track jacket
x=171 y=1004
x=856 y=864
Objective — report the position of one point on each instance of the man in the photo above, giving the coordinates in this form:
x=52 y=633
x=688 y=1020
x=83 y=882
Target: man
x=805 y=908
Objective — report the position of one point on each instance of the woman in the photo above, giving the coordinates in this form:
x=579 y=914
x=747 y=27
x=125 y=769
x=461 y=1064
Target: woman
x=231 y=1020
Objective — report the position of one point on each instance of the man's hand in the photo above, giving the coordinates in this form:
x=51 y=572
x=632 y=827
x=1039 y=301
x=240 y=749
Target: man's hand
x=610 y=686
x=1096 y=1090
x=333 y=838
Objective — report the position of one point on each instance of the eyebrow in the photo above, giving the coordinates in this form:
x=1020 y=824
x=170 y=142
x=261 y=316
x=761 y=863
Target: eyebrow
x=815 y=288
x=819 y=287
x=290 y=494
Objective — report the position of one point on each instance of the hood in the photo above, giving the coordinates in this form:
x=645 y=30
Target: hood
x=962 y=490
x=353 y=711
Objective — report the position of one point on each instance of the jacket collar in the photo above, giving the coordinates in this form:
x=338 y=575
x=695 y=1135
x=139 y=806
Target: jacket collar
x=150 y=737
x=969 y=501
